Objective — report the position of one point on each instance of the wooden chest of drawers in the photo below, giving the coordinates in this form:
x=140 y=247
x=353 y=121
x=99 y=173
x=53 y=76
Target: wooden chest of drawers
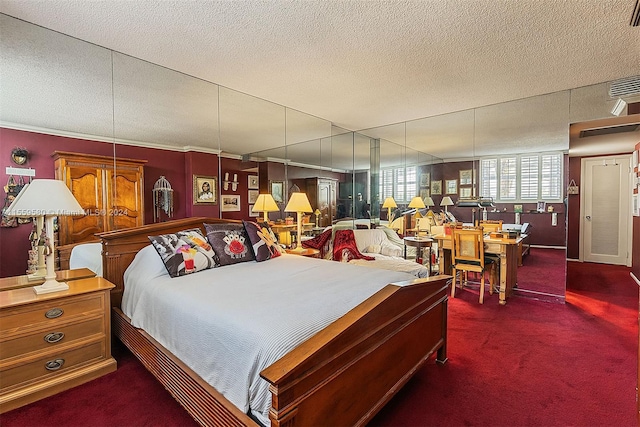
x=52 y=342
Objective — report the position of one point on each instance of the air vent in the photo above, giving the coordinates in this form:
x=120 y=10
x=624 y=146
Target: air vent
x=609 y=130
x=625 y=87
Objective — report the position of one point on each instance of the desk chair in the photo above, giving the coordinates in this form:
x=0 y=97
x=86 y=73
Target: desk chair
x=489 y=226
x=467 y=255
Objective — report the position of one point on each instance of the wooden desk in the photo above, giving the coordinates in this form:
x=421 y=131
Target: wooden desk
x=16 y=282
x=506 y=249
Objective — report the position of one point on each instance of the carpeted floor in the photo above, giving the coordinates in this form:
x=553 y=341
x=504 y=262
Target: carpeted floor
x=528 y=363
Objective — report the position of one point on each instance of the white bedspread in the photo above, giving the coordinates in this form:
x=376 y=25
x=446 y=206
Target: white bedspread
x=392 y=263
x=231 y=322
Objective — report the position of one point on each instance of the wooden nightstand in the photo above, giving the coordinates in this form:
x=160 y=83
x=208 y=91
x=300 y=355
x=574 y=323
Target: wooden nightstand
x=53 y=342
x=311 y=253
x=16 y=282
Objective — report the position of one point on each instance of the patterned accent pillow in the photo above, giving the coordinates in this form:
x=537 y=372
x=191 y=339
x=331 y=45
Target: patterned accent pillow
x=184 y=252
x=230 y=243
x=264 y=243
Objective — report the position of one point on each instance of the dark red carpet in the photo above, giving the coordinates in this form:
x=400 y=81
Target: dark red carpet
x=529 y=363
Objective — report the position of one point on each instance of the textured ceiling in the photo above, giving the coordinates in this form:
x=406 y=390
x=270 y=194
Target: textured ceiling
x=364 y=64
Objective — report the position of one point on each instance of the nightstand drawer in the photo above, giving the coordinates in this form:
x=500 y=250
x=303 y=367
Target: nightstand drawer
x=50 y=338
x=49 y=312
x=49 y=366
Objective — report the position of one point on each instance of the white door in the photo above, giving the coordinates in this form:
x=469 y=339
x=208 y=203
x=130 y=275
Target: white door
x=606 y=216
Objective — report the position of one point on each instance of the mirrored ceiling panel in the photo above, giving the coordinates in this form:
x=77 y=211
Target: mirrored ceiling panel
x=157 y=106
x=249 y=124
x=53 y=83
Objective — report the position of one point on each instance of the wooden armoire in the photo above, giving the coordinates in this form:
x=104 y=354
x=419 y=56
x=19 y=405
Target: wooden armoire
x=322 y=194
x=110 y=191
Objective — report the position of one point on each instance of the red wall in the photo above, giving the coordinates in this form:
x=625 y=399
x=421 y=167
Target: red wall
x=177 y=167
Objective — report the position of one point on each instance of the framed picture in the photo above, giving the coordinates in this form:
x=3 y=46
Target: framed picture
x=541 y=207
x=425 y=178
x=253 y=182
x=253 y=214
x=452 y=186
x=253 y=196
x=204 y=190
x=465 y=192
x=277 y=191
x=466 y=177
x=436 y=187
x=424 y=192
x=230 y=203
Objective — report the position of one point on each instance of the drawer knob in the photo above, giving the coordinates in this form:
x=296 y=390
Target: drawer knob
x=54 y=365
x=53 y=313
x=54 y=337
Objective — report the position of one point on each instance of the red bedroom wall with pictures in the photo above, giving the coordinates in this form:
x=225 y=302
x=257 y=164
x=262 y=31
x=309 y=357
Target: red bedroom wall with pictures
x=175 y=166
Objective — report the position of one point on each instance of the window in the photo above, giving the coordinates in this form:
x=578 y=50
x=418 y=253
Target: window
x=399 y=183
x=526 y=177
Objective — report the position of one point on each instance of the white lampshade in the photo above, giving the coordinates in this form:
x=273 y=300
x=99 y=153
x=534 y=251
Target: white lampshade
x=265 y=203
x=298 y=203
x=417 y=203
x=428 y=201
x=446 y=201
x=46 y=198
x=389 y=202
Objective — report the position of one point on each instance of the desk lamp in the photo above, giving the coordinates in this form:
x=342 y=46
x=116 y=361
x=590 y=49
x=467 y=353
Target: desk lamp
x=389 y=203
x=417 y=203
x=446 y=201
x=48 y=198
x=298 y=203
x=265 y=203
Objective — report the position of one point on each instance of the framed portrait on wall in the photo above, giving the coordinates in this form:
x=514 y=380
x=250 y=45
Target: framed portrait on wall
x=424 y=193
x=253 y=214
x=452 y=186
x=252 y=196
x=253 y=182
x=204 y=190
x=436 y=188
x=230 y=203
x=466 y=177
x=425 y=178
x=277 y=191
x=465 y=192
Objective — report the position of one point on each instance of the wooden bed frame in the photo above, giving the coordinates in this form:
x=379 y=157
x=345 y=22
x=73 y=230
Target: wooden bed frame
x=343 y=375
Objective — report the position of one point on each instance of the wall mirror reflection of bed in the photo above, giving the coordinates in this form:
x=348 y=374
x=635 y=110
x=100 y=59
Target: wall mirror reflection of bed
x=123 y=107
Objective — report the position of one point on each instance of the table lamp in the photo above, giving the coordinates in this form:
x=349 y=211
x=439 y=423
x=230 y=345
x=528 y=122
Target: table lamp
x=417 y=203
x=48 y=198
x=446 y=201
x=298 y=203
x=317 y=214
x=428 y=202
x=265 y=203
x=389 y=203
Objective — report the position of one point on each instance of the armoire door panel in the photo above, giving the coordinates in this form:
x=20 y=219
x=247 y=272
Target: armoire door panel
x=126 y=206
x=86 y=185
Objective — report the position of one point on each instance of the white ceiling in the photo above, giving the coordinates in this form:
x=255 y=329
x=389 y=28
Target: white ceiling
x=363 y=64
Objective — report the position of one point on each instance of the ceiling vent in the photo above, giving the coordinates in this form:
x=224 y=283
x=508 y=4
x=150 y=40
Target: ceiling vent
x=609 y=130
x=629 y=86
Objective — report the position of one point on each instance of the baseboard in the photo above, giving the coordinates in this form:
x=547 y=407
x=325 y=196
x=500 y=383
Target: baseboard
x=573 y=260
x=564 y=248
x=633 y=276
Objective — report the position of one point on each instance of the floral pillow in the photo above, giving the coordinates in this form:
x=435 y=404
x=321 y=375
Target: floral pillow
x=230 y=243
x=184 y=252
x=263 y=241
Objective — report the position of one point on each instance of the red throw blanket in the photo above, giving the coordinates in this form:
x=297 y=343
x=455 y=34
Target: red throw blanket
x=344 y=247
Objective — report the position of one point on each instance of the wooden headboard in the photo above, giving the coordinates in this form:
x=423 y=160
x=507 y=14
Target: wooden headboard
x=120 y=247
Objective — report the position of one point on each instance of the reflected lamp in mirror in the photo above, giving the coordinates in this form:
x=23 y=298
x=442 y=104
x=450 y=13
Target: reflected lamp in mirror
x=265 y=203
x=298 y=202
x=389 y=203
x=48 y=198
x=446 y=202
x=417 y=203
x=428 y=202
x=317 y=214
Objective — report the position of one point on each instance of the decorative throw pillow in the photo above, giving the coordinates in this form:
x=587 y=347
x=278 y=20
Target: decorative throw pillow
x=230 y=243
x=184 y=252
x=263 y=241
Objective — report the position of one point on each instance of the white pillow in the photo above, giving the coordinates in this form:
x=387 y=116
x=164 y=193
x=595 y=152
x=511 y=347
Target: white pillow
x=390 y=250
x=373 y=249
x=147 y=263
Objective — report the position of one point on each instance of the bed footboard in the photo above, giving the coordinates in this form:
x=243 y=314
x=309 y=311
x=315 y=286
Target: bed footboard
x=344 y=374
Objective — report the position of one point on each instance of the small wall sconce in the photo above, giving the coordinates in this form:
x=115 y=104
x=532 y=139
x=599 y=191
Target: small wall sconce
x=226 y=182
